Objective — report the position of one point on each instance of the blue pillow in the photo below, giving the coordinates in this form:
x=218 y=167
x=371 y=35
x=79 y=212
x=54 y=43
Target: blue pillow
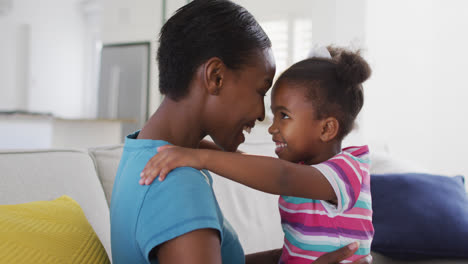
x=419 y=216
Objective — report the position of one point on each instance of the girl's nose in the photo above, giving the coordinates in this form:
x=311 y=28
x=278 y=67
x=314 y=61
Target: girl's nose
x=272 y=129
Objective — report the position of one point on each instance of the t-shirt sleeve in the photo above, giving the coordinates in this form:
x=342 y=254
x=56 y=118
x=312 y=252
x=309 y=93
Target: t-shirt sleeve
x=182 y=203
x=344 y=175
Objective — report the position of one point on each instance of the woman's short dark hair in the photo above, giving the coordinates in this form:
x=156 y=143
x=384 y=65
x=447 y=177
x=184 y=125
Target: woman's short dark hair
x=199 y=31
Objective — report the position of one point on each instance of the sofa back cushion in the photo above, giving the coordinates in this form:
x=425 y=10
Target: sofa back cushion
x=253 y=214
x=107 y=160
x=28 y=176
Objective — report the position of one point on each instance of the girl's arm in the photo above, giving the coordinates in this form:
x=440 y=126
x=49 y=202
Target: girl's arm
x=266 y=174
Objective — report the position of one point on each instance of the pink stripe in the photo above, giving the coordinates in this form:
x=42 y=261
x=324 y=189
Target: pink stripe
x=357 y=151
x=341 y=173
x=365 y=178
x=325 y=221
x=303 y=206
x=365 y=188
x=351 y=180
x=319 y=207
x=359 y=211
x=350 y=174
x=351 y=149
x=301 y=251
x=292 y=259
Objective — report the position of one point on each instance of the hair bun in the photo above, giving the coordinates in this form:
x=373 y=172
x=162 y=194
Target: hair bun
x=352 y=68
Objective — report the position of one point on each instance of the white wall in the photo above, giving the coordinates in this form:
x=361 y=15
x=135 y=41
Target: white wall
x=126 y=21
x=9 y=69
x=294 y=28
x=15 y=133
x=52 y=80
x=337 y=22
x=416 y=98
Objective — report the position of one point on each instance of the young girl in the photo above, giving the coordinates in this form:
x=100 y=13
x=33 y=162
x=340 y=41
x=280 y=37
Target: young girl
x=325 y=200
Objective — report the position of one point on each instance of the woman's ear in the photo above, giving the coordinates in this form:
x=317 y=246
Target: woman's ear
x=214 y=73
x=330 y=128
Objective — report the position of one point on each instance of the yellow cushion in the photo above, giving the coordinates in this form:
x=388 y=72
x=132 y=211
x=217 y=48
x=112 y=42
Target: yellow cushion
x=48 y=232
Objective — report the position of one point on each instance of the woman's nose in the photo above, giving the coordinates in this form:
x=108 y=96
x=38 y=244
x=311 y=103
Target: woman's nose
x=261 y=117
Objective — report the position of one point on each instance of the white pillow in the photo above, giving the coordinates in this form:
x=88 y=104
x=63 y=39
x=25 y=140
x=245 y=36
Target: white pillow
x=383 y=163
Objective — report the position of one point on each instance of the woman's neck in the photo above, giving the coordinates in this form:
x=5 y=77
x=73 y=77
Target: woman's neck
x=177 y=122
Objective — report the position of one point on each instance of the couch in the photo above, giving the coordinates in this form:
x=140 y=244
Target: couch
x=87 y=176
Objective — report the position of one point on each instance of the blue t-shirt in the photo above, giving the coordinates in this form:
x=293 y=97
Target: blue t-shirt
x=143 y=217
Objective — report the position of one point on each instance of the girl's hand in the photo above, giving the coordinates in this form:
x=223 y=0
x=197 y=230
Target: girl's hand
x=168 y=158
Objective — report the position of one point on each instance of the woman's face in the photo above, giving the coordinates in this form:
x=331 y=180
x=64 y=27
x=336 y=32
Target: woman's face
x=241 y=101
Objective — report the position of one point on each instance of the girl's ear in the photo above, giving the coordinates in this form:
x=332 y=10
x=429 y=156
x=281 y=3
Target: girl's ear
x=213 y=75
x=330 y=128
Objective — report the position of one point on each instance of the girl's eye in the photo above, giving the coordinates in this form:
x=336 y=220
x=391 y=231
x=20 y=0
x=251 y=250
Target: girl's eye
x=284 y=116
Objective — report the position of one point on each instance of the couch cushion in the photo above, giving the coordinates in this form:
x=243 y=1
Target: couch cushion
x=381 y=259
x=45 y=175
x=48 y=232
x=107 y=162
x=420 y=216
x=253 y=214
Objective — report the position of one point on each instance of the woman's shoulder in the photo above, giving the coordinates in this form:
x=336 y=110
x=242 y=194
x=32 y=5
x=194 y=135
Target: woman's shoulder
x=183 y=183
x=188 y=175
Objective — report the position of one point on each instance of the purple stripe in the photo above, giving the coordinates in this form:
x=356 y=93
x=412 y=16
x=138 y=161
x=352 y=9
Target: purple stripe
x=365 y=188
x=329 y=231
x=345 y=179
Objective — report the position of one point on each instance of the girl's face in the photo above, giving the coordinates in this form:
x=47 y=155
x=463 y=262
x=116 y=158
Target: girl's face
x=295 y=129
x=241 y=101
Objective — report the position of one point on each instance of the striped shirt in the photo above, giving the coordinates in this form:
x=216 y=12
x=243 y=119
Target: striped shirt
x=314 y=227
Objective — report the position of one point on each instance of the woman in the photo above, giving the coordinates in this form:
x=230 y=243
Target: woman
x=216 y=66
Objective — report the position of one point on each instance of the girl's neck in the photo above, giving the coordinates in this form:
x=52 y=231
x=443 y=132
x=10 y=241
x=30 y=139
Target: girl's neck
x=177 y=122
x=328 y=151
